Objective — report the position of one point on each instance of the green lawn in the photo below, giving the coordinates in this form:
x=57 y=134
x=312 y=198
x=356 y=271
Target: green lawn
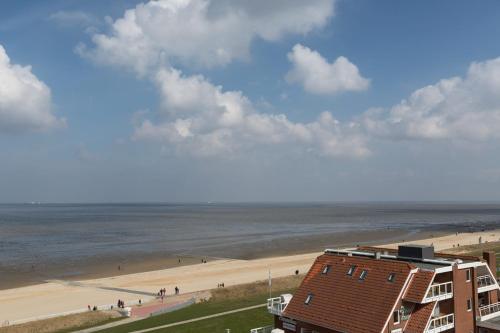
x=241 y=322
x=223 y=300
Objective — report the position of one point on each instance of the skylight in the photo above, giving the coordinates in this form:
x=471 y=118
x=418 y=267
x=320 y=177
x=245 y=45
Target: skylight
x=391 y=277
x=326 y=269
x=363 y=274
x=308 y=299
x=351 y=270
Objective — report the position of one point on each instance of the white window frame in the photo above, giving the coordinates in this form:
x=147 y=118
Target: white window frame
x=468 y=275
x=399 y=317
x=308 y=299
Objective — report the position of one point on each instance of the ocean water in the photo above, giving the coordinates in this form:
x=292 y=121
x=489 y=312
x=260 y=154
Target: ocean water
x=56 y=233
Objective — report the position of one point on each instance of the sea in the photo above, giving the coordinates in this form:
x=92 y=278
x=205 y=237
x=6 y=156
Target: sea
x=44 y=234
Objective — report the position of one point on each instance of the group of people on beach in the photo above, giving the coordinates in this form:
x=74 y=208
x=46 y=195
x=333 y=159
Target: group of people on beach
x=220 y=285
x=163 y=292
x=94 y=308
x=121 y=304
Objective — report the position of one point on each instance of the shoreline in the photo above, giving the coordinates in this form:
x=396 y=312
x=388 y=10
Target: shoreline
x=60 y=296
x=110 y=267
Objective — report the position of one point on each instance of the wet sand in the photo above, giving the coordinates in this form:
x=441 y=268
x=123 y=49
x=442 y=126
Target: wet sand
x=100 y=267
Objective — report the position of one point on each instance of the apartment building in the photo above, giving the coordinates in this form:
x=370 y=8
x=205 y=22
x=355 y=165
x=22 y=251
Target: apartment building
x=409 y=290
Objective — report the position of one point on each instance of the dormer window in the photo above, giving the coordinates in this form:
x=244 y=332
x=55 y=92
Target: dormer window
x=351 y=270
x=308 y=299
x=391 y=277
x=326 y=269
x=363 y=274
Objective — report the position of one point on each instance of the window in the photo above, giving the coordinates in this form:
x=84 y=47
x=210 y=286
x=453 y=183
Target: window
x=469 y=304
x=326 y=269
x=362 y=276
x=351 y=270
x=391 y=277
x=467 y=275
x=395 y=317
x=308 y=299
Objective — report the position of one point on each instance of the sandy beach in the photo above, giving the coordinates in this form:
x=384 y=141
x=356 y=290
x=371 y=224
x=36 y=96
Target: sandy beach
x=60 y=297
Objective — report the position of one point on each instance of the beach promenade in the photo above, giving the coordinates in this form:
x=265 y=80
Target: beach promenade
x=63 y=297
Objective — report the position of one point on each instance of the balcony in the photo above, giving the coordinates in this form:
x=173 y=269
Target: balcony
x=265 y=329
x=486 y=283
x=277 y=305
x=441 y=324
x=489 y=311
x=439 y=292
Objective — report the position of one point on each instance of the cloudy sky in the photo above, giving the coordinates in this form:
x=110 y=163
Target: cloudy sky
x=285 y=100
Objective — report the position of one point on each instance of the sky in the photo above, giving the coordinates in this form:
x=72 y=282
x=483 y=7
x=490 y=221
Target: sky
x=236 y=101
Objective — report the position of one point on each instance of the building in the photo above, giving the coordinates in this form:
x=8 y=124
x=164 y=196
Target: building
x=409 y=290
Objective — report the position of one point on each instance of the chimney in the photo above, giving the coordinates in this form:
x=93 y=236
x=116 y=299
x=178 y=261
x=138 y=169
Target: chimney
x=491 y=259
x=377 y=255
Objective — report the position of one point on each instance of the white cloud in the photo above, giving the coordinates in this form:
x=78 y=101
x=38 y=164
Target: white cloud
x=202 y=119
x=25 y=101
x=200 y=32
x=318 y=76
x=456 y=108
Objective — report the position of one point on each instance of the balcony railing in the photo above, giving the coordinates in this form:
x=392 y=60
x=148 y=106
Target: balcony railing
x=441 y=324
x=265 y=329
x=485 y=281
x=439 y=291
x=489 y=311
x=277 y=305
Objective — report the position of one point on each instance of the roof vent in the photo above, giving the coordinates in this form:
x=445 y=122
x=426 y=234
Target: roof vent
x=419 y=252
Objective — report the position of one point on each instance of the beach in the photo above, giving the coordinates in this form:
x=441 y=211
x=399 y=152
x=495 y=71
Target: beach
x=59 y=297
x=75 y=242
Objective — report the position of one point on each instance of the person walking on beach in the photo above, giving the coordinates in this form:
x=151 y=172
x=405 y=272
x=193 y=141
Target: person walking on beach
x=176 y=290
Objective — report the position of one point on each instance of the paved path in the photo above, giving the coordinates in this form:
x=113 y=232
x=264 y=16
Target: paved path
x=112 y=324
x=199 y=318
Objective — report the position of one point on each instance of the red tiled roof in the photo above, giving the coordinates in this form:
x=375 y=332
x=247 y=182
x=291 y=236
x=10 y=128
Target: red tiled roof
x=419 y=318
x=418 y=286
x=344 y=303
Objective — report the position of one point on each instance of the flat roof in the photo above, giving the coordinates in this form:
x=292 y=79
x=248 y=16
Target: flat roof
x=440 y=259
x=493 y=323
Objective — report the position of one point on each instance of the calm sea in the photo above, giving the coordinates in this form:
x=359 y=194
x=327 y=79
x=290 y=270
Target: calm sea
x=48 y=233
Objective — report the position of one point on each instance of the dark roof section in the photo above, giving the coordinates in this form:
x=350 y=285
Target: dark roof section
x=419 y=318
x=344 y=303
x=418 y=286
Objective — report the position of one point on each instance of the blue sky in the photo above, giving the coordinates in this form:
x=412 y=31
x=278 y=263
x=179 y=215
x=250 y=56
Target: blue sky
x=253 y=109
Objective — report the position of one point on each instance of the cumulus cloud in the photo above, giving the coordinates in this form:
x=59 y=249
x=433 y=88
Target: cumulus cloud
x=25 y=101
x=465 y=108
x=318 y=76
x=209 y=121
x=200 y=32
